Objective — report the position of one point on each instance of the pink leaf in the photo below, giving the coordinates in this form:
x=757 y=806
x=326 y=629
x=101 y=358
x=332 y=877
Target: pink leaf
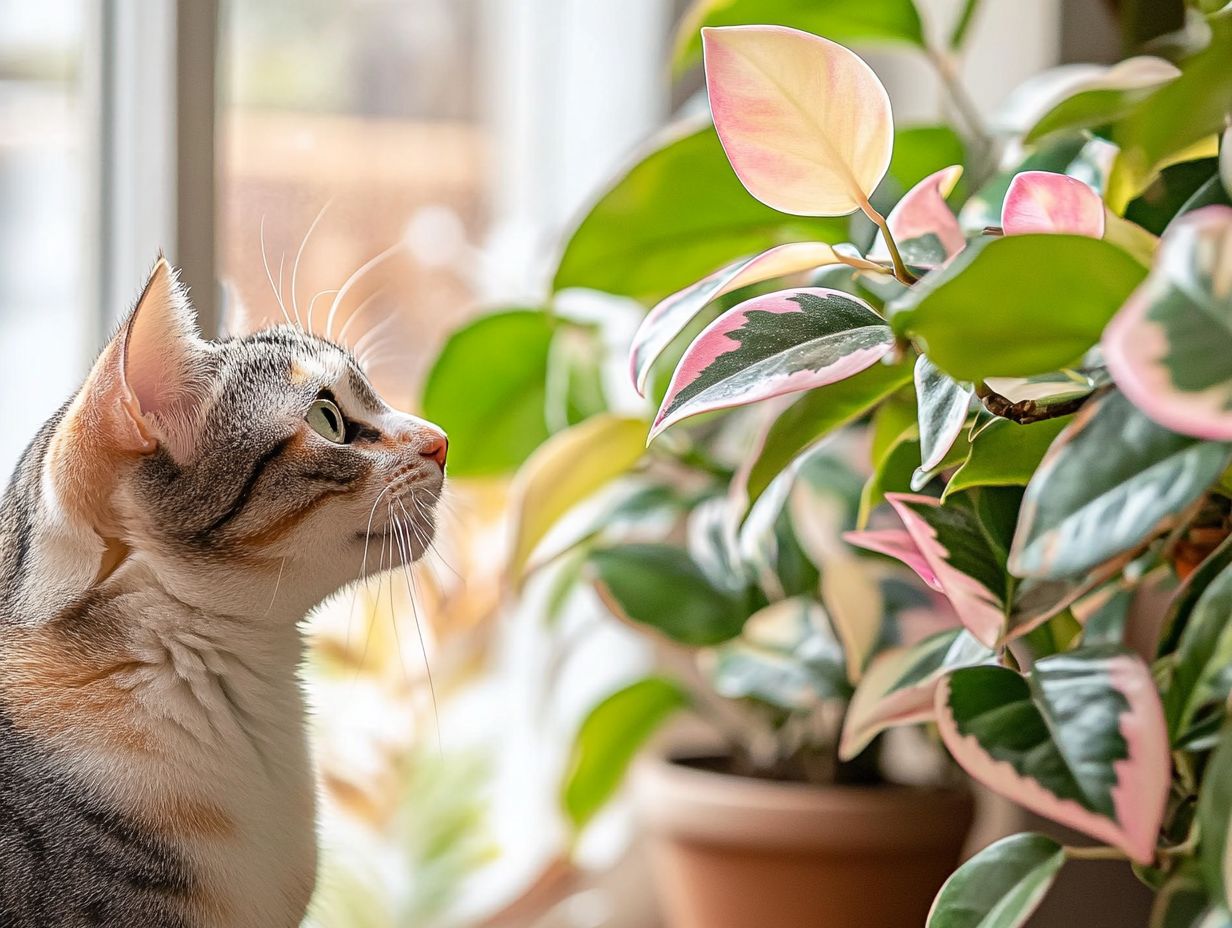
x=923 y=212
x=1043 y=202
x=896 y=543
x=805 y=122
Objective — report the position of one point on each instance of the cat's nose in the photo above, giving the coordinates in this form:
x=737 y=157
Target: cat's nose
x=436 y=448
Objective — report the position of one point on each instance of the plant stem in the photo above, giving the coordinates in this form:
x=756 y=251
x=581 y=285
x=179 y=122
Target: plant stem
x=945 y=66
x=1094 y=853
x=900 y=269
x=1024 y=412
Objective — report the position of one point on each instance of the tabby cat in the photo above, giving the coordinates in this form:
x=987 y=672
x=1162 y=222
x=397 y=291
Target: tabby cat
x=162 y=538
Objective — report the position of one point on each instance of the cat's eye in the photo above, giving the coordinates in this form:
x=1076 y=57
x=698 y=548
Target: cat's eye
x=325 y=418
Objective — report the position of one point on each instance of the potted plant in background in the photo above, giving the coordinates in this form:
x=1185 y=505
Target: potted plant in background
x=1044 y=379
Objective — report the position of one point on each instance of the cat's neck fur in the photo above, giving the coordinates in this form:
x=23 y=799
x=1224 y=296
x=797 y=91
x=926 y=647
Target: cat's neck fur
x=193 y=705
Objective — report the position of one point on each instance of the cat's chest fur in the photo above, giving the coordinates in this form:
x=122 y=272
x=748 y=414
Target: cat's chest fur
x=197 y=721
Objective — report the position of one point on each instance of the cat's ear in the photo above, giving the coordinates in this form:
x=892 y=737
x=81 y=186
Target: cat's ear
x=147 y=386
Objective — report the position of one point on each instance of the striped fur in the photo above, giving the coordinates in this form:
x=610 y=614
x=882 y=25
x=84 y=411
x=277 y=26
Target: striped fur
x=160 y=541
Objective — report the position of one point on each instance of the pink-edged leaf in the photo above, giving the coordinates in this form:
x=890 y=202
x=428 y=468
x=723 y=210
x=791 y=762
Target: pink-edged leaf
x=1170 y=347
x=805 y=122
x=771 y=345
x=898 y=544
x=969 y=571
x=899 y=686
x=669 y=317
x=1080 y=740
x=924 y=227
x=1044 y=202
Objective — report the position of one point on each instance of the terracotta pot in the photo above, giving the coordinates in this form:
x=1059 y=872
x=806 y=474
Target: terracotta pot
x=735 y=852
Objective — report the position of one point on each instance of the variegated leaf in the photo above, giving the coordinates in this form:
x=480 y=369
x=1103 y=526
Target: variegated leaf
x=805 y=122
x=942 y=410
x=1170 y=346
x=898 y=544
x=1086 y=505
x=1041 y=201
x=924 y=227
x=771 y=345
x=898 y=686
x=961 y=554
x=1001 y=886
x=1081 y=741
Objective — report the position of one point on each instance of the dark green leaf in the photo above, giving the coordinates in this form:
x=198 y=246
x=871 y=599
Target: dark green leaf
x=662 y=587
x=1202 y=672
x=1214 y=811
x=609 y=738
x=1163 y=199
x=487 y=389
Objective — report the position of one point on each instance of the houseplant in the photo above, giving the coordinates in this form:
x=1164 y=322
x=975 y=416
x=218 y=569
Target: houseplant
x=1045 y=374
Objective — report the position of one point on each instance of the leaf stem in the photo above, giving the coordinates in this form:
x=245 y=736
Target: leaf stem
x=1024 y=412
x=945 y=65
x=1094 y=853
x=900 y=269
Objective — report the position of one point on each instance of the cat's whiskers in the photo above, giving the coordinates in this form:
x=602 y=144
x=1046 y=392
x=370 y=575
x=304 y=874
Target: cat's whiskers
x=346 y=326
x=351 y=281
x=313 y=302
x=397 y=539
x=270 y=277
x=386 y=541
x=430 y=545
x=413 y=592
x=277 y=584
x=295 y=267
x=363 y=570
x=373 y=340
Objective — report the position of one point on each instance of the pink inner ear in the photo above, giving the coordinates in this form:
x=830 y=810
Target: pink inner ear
x=162 y=354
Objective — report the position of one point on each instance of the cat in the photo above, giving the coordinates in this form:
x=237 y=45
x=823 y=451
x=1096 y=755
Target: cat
x=160 y=542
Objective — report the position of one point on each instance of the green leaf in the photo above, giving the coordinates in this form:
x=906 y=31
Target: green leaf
x=663 y=588
x=1177 y=115
x=1038 y=321
x=844 y=21
x=1172 y=189
x=487 y=390
x=818 y=413
x=677 y=215
x=918 y=152
x=1112 y=480
x=1000 y=886
x=1214 y=811
x=958 y=34
x=1182 y=901
x=1107 y=97
x=1080 y=740
x=1202 y=671
x=1006 y=454
x=607 y=741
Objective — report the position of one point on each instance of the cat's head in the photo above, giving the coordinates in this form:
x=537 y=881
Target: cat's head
x=229 y=466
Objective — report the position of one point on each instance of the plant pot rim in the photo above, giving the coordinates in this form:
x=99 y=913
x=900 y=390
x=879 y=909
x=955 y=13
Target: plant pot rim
x=696 y=804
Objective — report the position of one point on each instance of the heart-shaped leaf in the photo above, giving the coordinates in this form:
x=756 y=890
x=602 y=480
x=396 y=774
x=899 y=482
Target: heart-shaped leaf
x=924 y=227
x=817 y=414
x=964 y=555
x=609 y=737
x=1170 y=347
x=675 y=215
x=1043 y=202
x=780 y=343
x=1104 y=97
x=942 y=405
x=661 y=587
x=565 y=470
x=1202 y=665
x=1000 y=886
x=805 y=122
x=846 y=21
x=1081 y=741
x=1086 y=505
x=1063 y=311
x=898 y=687
x=669 y=317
